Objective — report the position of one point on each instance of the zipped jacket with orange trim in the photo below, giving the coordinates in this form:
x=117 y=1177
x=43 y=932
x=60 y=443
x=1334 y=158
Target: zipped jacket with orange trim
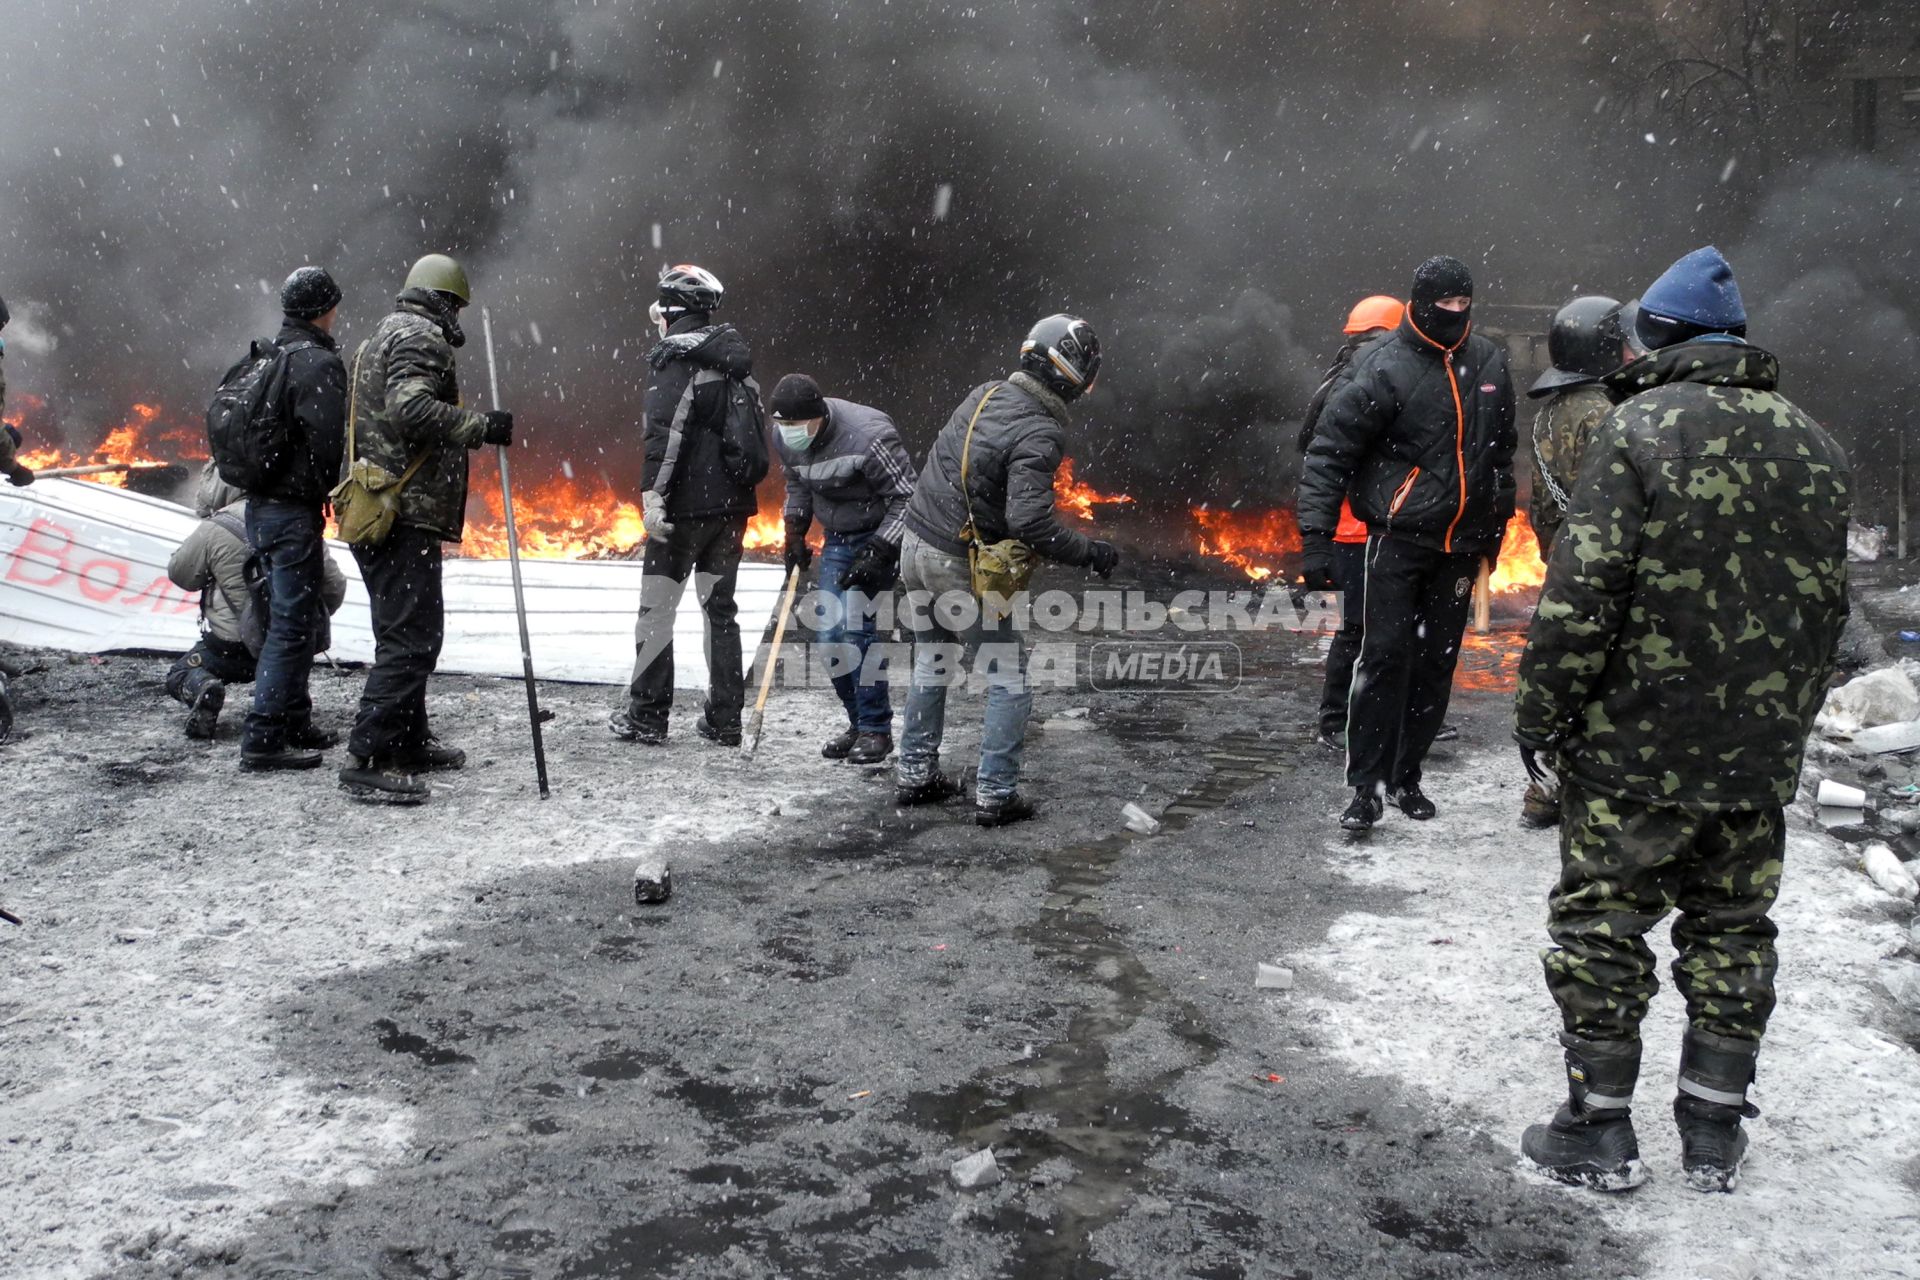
x=1420 y=440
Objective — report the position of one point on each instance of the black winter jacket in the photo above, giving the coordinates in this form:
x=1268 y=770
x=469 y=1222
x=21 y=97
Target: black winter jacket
x=317 y=405
x=1017 y=446
x=1420 y=441
x=683 y=433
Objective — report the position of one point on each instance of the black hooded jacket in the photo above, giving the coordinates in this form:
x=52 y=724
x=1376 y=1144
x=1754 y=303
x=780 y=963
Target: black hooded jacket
x=1420 y=441
x=683 y=441
x=317 y=404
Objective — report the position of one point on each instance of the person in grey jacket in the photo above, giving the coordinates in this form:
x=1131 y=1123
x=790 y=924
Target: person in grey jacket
x=213 y=561
x=1018 y=439
x=845 y=465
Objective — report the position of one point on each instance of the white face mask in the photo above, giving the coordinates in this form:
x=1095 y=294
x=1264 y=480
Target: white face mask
x=659 y=318
x=797 y=437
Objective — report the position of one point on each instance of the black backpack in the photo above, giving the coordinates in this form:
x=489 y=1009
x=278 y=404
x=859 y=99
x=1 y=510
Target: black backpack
x=743 y=430
x=249 y=432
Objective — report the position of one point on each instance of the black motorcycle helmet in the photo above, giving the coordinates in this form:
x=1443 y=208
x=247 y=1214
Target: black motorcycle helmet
x=1584 y=344
x=1063 y=353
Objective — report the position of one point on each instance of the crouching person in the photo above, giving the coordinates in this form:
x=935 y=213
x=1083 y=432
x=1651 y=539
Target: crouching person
x=989 y=482
x=846 y=466
x=213 y=561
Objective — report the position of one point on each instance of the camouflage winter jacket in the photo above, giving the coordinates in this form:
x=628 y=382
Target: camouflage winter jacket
x=6 y=439
x=406 y=399
x=1686 y=632
x=1562 y=428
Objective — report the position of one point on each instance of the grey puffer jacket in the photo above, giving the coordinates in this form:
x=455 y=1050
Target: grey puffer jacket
x=213 y=561
x=854 y=477
x=1018 y=444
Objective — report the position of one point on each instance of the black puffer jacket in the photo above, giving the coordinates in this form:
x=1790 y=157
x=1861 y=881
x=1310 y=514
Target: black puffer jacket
x=317 y=405
x=683 y=433
x=1017 y=446
x=1420 y=441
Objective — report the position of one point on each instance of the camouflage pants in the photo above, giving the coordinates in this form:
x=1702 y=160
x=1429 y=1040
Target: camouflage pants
x=1623 y=867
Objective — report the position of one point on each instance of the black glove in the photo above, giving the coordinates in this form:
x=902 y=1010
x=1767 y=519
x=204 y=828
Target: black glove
x=873 y=567
x=1316 y=563
x=499 y=428
x=1103 y=558
x=1531 y=749
x=21 y=475
x=797 y=555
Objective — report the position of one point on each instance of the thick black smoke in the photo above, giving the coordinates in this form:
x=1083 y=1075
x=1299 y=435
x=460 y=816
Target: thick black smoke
x=892 y=190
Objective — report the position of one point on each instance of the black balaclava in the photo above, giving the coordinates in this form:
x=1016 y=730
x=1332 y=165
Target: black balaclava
x=1441 y=277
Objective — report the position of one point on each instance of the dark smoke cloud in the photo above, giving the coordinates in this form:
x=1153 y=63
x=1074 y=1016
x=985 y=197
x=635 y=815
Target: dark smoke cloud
x=892 y=190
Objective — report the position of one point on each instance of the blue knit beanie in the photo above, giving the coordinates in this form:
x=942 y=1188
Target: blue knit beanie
x=1697 y=297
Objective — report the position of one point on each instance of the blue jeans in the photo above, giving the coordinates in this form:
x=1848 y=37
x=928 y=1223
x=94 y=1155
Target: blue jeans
x=938 y=584
x=869 y=706
x=287 y=535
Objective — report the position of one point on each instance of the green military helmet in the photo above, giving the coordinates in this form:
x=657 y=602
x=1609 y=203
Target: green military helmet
x=442 y=274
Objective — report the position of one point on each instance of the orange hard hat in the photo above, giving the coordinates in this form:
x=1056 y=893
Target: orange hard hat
x=1377 y=312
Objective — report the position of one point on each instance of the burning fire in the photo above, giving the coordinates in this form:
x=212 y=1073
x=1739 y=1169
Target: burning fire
x=1519 y=567
x=135 y=441
x=1251 y=541
x=1079 y=499
x=565 y=517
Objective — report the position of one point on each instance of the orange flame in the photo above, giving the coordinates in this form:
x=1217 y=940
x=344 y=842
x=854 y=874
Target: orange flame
x=1079 y=499
x=1251 y=541
x=137 y=440
x=1519 y=568
x=567 y=517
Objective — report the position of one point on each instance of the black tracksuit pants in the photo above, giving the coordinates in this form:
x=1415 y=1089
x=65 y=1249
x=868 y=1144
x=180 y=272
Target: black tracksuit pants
x=1349 y=575
x=1416 y=606
x=409 y=624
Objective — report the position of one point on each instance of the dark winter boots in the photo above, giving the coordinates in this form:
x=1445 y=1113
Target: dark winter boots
x=1714 y=1074
x=203 y=717
x=836 y=748
x=1363 y=811
x=381 y=782
x=1590 y=1141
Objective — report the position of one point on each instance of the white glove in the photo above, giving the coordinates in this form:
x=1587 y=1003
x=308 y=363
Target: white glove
x=653 y=517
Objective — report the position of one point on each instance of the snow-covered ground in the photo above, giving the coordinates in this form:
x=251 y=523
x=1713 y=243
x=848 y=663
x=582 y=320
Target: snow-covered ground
x=1449 y=997
x=173 y=904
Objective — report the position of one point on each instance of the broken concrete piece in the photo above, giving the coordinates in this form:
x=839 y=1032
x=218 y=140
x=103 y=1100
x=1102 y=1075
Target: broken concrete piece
x=1273 y=977
x=1885 y=869
x=1884 y=696
x=1896 y=738
x=652 y=881
x=978 y=1170
x=1139 y=819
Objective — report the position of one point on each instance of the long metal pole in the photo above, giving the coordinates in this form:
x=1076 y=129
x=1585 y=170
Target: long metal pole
x=513 y=559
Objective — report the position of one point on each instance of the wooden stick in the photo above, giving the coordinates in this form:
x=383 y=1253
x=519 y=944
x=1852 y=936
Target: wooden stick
x=1483 y=598
x=59 y=473
x=751 y=742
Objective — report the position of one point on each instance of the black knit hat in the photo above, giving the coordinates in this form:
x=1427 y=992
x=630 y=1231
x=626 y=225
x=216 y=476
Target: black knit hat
x=309 y=293
x=797 y=398
x=1442 y=277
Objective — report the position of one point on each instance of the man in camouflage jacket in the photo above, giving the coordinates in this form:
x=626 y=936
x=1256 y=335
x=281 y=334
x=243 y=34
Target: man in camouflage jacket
x=406 y=413
x=16 y=472
x=1683 y=643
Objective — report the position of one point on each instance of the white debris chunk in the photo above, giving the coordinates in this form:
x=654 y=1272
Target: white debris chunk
x=1139 y=819
x=1885 y=869
x=1273 y=977
x=978 y=1170
x=652 y=881
x=1885 y=696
